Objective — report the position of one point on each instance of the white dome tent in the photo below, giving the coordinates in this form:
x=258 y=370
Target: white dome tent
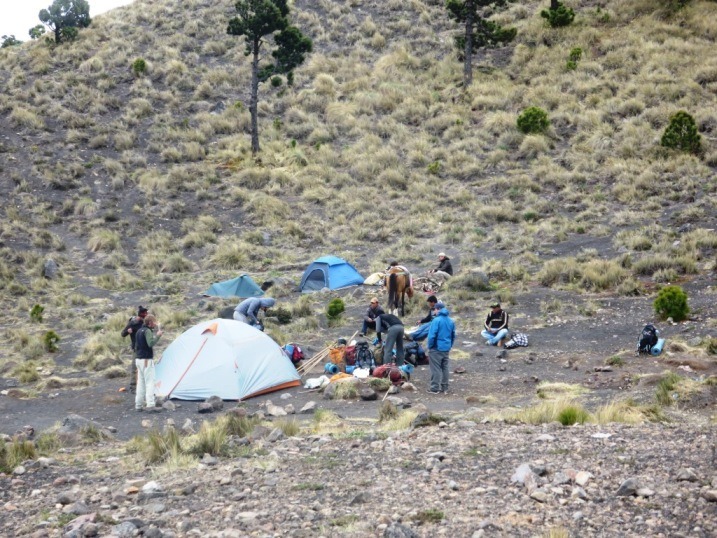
x=224 y=358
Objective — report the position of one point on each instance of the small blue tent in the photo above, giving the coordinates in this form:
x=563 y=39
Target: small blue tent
x=329 y=272
x=241 y=286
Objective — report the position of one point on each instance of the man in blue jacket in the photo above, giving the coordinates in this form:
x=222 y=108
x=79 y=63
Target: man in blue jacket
x=441 y=336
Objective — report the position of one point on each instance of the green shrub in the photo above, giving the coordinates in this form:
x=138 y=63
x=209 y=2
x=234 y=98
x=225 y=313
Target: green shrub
x=681 y=134
x=561 y=16
x=573 y=414
x=282 y=314
x=533 y=120
x=139 y=67
x=50 y=340
x=276 y=81
x=434 y=168
x=335 y=308
x=36 y=313
x=671 y=302
x=576 y=54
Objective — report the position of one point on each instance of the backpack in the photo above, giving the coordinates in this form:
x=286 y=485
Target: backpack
x=294 y=352
x=648 y=338
x=415 y=354
x=364 y=357
x=518 y=340
x=390 y=371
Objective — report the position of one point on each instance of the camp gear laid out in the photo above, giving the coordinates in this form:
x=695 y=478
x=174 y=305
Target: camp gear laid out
x=316 y=382
x=657 y=348
x=390 y=371
x=648 y=338
x=329 y=272
x=226 y=358
x=331 y=369
x=415 y=354
x=294 y=352
x=518 y=340
x=361 y=373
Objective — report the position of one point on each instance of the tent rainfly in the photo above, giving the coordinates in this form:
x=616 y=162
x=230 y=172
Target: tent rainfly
x=226 y=358
x=329 y=272
x=241 y=286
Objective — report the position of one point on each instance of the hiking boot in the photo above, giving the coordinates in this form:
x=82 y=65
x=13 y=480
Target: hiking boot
x=153 y=409
x=362 y=334
x=139 y=409
x=431 y=391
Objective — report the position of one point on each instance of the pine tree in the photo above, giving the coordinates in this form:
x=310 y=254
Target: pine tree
x=258 y=20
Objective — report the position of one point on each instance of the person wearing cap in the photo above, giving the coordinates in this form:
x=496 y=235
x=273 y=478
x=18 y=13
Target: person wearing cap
x=147 y=337
x=133 y=325
x=441 y=336
x=444 y=270
x=393 y=326
x=496 y=325
x=247 y=310
x=422 y=331
x=369 y=320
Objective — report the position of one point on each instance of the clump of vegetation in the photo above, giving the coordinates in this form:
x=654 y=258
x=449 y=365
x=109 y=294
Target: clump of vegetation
x=211 y=439
x=671 y=302
x=711 y=346
x=139 y=67
x=533 y=120
x=14 y=453
x=576 y=54
x=681 y=134
x=573 y=414
x=36 y=313
x=665 y=391
x=50 y=340
x=289 y=427
x=558 y=15
x=335 y=308
x=615 y=360
x=387 y=412
x=432 y=515
x=283 y=315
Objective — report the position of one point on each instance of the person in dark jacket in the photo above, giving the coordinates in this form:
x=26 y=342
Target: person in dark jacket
x=393 y=327
x=441 y=336
x=444 y=269
x=369 y=320
x=133 y=325
x=422 y=331
x=496 y=325
x=147 y=337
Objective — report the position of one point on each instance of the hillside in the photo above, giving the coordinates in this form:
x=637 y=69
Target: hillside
x=142 y=189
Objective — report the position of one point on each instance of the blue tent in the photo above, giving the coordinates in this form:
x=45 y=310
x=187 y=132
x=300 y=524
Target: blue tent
x=329 y=272
x=241 y=286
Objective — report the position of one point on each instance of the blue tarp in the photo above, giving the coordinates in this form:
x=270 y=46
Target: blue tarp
x=329 y=272
x=241 y=286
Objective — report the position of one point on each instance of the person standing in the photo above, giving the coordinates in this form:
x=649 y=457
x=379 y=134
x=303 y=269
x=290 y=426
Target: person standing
x=147 y=337
x=441 y=336
x=369 y=320
x=394 y=337
x=496 y=325
x=133 y=325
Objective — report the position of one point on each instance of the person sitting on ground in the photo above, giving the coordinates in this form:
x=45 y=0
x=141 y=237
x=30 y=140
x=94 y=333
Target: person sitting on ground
x=393 y=327
x=133 y=325
x=424 y=323
x=247 y=310
x=496 y=325
x=444 y=270
x=146 y=339
x=369 y=321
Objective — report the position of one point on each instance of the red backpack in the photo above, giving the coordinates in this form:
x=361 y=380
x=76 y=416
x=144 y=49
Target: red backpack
x=390 y=371
x=294 y=352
